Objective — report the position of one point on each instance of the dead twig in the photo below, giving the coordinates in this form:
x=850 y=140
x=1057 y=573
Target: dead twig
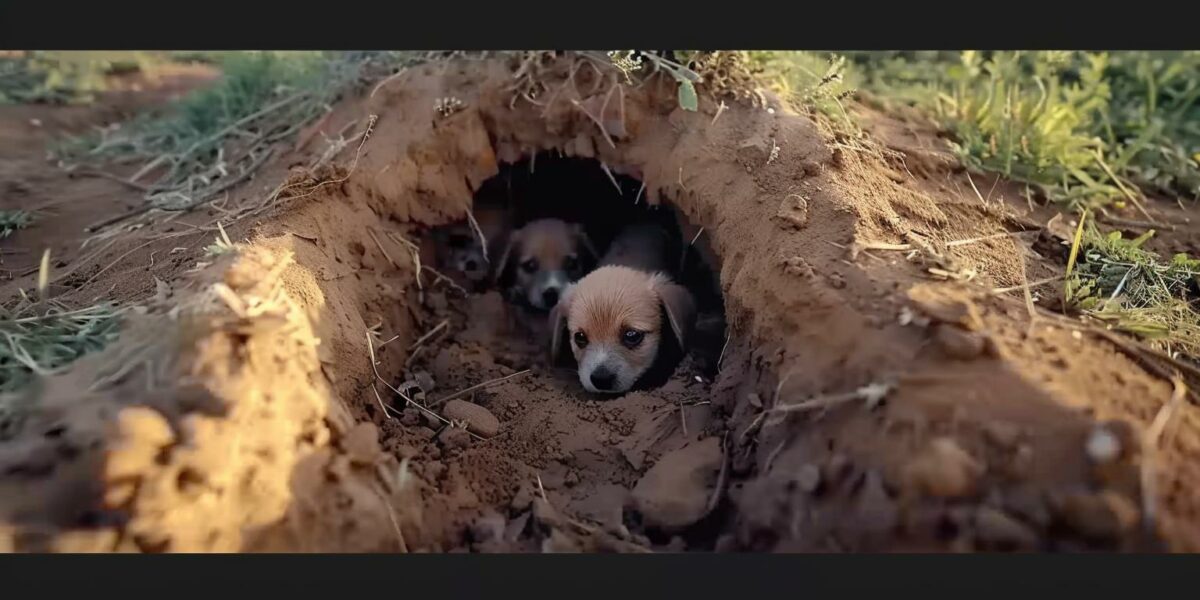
x=428 y=335
x=1150 y=442
x=478 y=386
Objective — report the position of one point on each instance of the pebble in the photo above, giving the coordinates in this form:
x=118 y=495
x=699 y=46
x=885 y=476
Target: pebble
x=957 y=342
x=996 y=529
x=522 y=499
x=944 y=470
x=674 y=493
x=1103 y=516
x=1003 y=434
x=809 y=478
x=480 y=420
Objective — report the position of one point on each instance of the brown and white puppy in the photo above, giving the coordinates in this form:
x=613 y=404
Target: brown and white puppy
x=542 y=259
x=618 y=318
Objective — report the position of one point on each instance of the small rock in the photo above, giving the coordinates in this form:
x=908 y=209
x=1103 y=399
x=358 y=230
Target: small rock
x=362 y=444
x=1102 y=446
x=1111 y=441
x=522 y=499
x=559 y=543
x=1105 y=516
x=545 y=514
x=1003 y=434
x=958 y=343
x=571 y=480
x=674 y=493
x=996 y=529
x=809 y=478
x=755 y=400
x=480 y=420
x=454 y=438
x=943 y=470
x=488 y=527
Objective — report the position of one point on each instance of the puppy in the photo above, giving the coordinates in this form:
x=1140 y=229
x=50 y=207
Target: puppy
x=542 y=259
x=619 y=318
x=465 y=251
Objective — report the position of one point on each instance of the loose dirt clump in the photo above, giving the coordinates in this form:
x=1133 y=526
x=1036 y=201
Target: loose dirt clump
x=325 y=386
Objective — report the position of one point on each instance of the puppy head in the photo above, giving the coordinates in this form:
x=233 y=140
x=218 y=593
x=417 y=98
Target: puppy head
x=615 y=319
x=543 y=258
x=466 y=254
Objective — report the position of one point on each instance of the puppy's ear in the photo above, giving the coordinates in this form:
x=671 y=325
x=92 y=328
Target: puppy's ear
x=501 y=271
x=680 y=307
x=558 y=323
x=584 y=241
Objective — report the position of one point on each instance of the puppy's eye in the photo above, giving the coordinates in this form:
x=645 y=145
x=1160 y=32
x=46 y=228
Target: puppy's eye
x=571 y=263
x=529 y=266
x=581 y=339
x=632 y=337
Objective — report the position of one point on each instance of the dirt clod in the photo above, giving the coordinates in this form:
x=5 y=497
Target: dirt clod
x=943 y=470
x=674 y=493
x=480 y=420
x=1102 y=516
x=958 y=343
x=995 y=529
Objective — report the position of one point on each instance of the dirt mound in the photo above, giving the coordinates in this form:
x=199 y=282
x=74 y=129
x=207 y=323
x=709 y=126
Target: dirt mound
x=851 y=403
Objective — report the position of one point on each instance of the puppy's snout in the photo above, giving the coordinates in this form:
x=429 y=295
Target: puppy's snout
x=550 y=297
x=470 y=265
x=603 y=379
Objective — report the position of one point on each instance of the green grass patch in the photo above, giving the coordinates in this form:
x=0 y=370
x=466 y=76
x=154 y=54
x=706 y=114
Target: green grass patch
x=12 y=220
x=67 y=77
x=1134 y=290
x=1086 y=129
x=41 y=339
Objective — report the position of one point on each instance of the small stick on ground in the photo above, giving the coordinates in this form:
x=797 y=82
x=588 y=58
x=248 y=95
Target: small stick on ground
x=479 y=386
x=381 y=250
x=431 y=333
x=483 y=242
x=381 y=405
x=1027 y=285
x=1150 y=442
x=720 y=109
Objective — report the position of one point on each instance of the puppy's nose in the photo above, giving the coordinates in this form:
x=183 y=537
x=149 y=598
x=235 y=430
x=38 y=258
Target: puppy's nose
x=470 y=265
x=550 y=297
x=603 y=379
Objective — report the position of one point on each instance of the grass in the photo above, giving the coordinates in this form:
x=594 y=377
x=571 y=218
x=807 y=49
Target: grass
x=1089 y=130
x=1118 y=281
x=67 y=77
x=12 y=220
x=41 y=339
x=219 y=136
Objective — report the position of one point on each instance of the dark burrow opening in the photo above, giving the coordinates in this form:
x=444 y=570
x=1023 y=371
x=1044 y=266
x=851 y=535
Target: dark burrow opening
x=588 y=455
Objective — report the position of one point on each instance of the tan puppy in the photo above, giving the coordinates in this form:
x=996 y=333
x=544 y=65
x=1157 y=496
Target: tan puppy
x=615 y=317
x=542 y=259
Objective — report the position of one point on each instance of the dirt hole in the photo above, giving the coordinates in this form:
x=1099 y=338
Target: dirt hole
x=584 y=452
